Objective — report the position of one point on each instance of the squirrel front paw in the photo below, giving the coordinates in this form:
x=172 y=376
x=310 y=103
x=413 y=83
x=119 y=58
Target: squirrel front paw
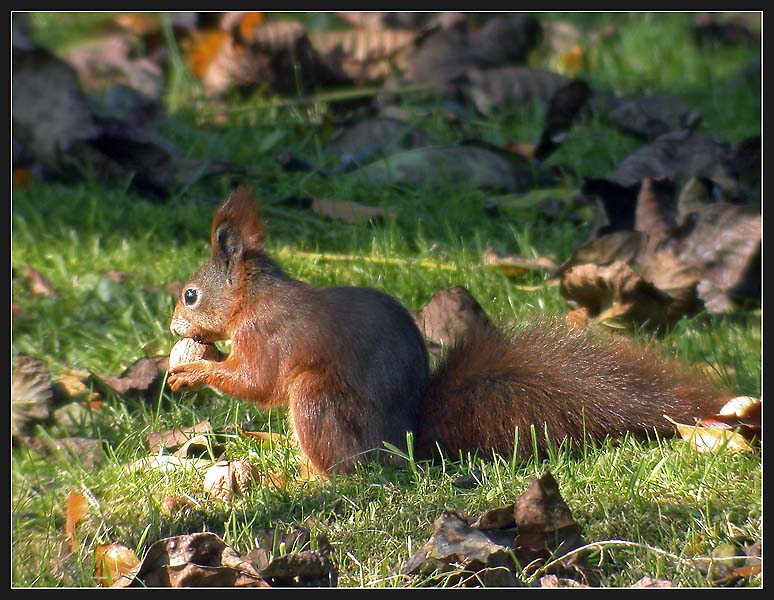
x=188 y=376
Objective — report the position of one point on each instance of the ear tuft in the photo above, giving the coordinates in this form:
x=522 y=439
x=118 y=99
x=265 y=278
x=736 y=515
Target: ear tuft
x=239 y=216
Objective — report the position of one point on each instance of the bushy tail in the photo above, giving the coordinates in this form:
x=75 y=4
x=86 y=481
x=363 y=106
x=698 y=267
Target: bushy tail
x=571 y=384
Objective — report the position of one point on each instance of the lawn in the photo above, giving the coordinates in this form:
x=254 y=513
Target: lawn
x=654 y=505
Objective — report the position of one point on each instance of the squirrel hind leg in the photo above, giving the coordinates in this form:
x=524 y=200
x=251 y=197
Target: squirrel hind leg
x=332 y=427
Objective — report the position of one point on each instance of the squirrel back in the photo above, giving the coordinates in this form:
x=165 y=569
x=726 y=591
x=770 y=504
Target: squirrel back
x=352 y=367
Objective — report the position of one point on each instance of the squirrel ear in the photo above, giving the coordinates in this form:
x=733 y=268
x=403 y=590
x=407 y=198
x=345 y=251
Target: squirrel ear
x=227 y=243
x=236 y=225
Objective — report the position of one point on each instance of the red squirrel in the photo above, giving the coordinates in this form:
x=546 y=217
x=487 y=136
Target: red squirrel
x=352 y=368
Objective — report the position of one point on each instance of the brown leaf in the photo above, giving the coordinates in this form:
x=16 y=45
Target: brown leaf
x=141 y=378
x=17 y=314
x=112 y=59
x=447 y=317
x=117 y=276
x=622 y=246
x=365 y=55
x=50 y=112
x=172 y=439
x=552 y=581
x=744 y=408
x=695 y=195
x=446 y=54
x=655 y=213
x=543 y=519
x=513 y=265
x=458 y=552
x=77 y=508
x=57 y=124
x=674 y=277
x=113 y=561
x=32 y=394
x=615 y=295
x=536 y=528
x=226 y=477
x=284 y=559
x=274 y=54
x=743 y=414
x=724 y=244
x=563 y=108
x=171 y=504
x=195 y=560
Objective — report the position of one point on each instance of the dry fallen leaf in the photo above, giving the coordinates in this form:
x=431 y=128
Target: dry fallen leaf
x=513 y=265
x=724 y=245
x=226 y=477
x=538 y=527
x=447 y=316
x=606 y=249
x=195 y=560
x=32 y=394
x=77 y=508
x=171 y=504
x=711 y=439
x=141 y=378
x=285 y=559
x=113 y=561
x=172 y=439
x=615 y=295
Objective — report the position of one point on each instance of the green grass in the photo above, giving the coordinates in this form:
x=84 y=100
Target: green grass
x=667 y=502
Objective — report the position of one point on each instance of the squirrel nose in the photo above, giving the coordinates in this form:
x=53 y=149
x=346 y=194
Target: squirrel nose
x=173 y=327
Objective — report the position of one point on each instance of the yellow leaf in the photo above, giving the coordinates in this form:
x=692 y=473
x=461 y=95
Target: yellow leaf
x=113 y=561
x=711 y=439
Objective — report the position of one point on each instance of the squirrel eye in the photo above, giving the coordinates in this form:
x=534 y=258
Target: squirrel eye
x=189 y=296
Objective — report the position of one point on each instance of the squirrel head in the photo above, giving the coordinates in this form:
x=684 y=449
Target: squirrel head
x=216 y=295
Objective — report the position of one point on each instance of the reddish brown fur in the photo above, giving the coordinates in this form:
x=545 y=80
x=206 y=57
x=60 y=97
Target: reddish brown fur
x=239 y=210
x=574 y=385
x=351 y=367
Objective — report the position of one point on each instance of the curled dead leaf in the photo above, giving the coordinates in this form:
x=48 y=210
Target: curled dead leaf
x=711 y=439
x=113 y=561
x=141 y=378
x=171 y=439
x=536 y=528
x=32 y=394
x=615 y=295
x=172 y=504
x=225 y=477
x=195 y=560
x=447 y=316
